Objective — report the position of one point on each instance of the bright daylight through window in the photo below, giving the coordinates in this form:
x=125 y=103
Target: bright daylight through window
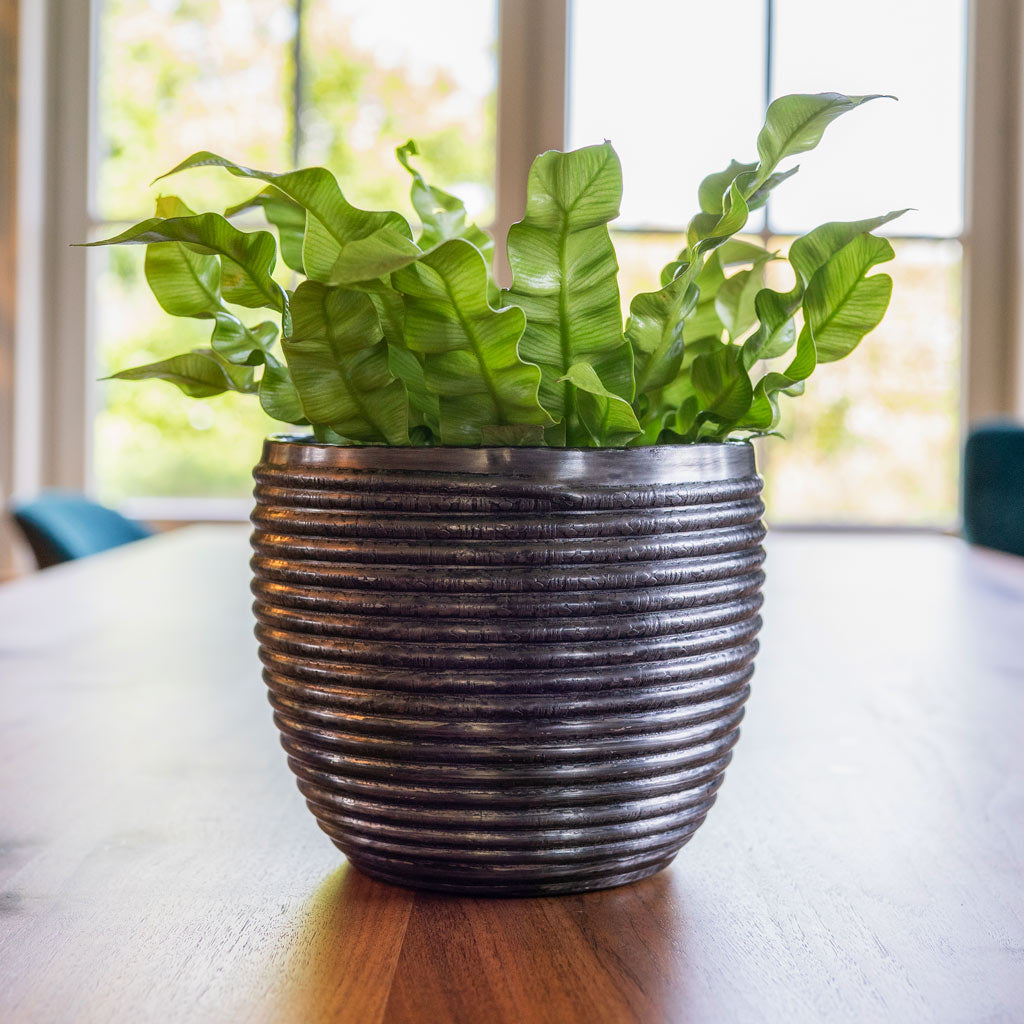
x=221 y=74
x=874 y=440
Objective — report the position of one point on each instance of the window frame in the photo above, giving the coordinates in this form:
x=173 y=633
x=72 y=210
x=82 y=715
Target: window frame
x=46 y=362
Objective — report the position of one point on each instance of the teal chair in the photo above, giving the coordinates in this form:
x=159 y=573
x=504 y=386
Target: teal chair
x=61 y=526
x=994 y=487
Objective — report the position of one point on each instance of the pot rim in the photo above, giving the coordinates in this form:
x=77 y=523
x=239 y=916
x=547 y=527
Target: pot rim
x=647 y=464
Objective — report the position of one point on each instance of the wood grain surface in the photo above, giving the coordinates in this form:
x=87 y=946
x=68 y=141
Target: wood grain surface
x=865 y=860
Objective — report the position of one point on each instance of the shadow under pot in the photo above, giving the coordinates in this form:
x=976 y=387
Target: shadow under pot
x=508 y=671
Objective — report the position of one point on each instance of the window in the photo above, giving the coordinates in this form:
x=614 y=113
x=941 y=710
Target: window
x=273 y=84
x=875 y=439
x=283 y=82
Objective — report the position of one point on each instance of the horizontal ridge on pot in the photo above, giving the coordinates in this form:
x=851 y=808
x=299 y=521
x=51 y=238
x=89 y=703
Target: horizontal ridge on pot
x=508 y=671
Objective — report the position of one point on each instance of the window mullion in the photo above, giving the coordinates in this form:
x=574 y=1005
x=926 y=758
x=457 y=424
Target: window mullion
x=67 y=392
x=992 y=204
x=769 y=88
x=298 y=83
x=532 y=89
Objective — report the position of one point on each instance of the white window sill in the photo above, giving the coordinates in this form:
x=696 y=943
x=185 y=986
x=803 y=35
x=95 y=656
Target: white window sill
x=181 y=511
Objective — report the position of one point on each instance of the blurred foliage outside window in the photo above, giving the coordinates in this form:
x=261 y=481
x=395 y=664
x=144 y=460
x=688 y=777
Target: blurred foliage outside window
x=177 y=76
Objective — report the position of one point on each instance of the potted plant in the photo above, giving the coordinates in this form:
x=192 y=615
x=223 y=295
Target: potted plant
x=507 y=589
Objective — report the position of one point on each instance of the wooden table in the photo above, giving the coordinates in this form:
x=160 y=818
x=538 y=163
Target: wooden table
x=865 y=861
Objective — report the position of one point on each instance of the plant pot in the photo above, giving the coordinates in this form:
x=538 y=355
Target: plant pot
x=508 y=671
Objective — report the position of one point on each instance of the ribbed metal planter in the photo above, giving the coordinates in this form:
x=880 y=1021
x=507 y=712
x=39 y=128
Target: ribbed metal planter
x=509 y=670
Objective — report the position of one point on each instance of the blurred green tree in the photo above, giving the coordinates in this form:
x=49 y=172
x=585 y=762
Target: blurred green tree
x=176 y=76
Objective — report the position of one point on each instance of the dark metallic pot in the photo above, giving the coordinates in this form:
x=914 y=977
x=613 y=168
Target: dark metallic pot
x=508 y=670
